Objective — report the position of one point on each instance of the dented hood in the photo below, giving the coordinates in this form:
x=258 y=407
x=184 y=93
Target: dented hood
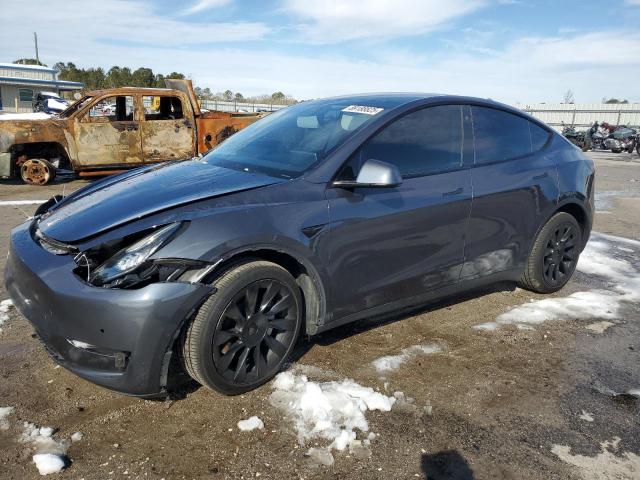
x=142 y=192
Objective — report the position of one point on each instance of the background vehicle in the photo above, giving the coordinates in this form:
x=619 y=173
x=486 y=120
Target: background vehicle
x=321 y=214
x=49 y=102
x=107 y=131
x=577 y=138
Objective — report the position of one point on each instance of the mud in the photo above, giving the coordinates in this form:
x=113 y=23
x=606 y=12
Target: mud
x=491 y=405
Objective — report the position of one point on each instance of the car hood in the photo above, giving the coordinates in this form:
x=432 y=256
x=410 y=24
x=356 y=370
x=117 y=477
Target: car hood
x=118 y=200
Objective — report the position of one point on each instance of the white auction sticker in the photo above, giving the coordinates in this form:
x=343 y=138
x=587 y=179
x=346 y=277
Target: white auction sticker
x=362 y=109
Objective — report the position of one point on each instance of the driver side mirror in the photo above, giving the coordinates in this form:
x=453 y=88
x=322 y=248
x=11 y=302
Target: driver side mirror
x=373 y=174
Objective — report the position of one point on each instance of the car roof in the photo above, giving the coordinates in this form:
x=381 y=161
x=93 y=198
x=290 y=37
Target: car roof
x=396 y=99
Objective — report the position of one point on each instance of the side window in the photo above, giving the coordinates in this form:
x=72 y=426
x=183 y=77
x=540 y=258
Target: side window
x=539 y=136
x=162 y=108
x=25 y=94
x=423 y=142
x=112 y=109
x=499 y=135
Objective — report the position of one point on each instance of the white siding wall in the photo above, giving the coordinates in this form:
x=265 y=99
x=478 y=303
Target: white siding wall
x=583 y=114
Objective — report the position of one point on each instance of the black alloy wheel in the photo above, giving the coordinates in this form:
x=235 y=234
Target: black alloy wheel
x=560 y=254
x=554 y=255
x=241 y=336
x=255 y=331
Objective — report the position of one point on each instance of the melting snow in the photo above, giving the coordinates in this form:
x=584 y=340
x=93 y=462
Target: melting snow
x=332 y=411
x=250 y=424
x=76 y=437
x=50 y=456
x=604 y=466
x=622 y=277
x=5 y=306
x=5 y=203
x=48 y=463
x=393 y=362
x=4 y=413
x=25 y=116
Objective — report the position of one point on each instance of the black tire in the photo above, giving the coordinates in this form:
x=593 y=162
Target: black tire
x=242 y=334
x=554 y=255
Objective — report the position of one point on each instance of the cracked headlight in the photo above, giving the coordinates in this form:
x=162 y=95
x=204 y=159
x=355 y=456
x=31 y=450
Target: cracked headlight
x=128 y=259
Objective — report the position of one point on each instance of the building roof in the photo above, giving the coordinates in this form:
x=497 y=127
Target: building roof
x=64 y=84
x=21 y=66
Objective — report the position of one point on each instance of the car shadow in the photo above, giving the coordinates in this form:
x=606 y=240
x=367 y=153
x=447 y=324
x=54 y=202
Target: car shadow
x=446 y=465
x=180 y=385
x=351 y=329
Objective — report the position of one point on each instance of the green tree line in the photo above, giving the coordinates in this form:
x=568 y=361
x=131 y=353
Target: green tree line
x=97 y=78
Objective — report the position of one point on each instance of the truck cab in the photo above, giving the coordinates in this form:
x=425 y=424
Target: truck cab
x=108 y=131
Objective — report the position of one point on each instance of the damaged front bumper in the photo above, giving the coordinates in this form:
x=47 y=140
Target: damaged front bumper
x=119 y=339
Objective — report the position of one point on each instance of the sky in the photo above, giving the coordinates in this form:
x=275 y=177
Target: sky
x=515 y=51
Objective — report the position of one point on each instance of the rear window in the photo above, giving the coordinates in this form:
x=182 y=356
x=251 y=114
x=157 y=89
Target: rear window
x=499 y=135
x=539 y=137
x=162 y=108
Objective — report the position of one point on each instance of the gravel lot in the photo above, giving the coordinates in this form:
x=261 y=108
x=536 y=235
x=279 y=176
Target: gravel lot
x=535 y=402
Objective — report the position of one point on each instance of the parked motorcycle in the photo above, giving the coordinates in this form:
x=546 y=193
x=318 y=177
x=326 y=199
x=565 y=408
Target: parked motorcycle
x=628 y=138
x=600 y=137
x=577 y=138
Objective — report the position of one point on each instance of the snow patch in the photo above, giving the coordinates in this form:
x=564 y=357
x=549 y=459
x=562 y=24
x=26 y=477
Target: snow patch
x=6 y=203
x=5 y=306
x=76 y=437
x=332 y=411
x=250 y=423
x=393 y=362
x=25 y=116
x=321 y=456
x=47 y=463
x=622 y=277
x=604 y=466
x=50 y=456
x=4 y=413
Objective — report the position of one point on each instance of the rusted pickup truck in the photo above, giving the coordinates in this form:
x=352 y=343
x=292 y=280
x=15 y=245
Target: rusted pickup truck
x=107 y=131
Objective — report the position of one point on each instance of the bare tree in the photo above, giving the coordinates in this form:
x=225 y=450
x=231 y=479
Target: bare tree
x=568 y=97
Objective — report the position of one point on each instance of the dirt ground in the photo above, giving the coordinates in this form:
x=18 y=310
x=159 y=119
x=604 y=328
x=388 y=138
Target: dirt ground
x=510 y=403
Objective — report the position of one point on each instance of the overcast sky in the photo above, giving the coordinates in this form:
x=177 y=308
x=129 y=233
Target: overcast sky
x=511 y=50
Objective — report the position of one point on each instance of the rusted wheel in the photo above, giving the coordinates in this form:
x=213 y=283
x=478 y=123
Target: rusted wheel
x=37 y=171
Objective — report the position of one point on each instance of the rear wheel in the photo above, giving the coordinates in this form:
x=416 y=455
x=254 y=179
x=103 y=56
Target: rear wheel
x=243 y=333
x=554 y=255
x=37 y=171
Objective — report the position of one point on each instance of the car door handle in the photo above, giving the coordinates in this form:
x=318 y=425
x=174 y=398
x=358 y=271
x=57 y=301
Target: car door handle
x=457 y=191
x=541 y=176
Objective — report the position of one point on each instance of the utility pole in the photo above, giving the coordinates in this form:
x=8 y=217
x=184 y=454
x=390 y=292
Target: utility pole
x=35 y=37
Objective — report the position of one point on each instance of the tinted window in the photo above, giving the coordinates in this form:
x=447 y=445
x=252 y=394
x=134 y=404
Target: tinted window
x=422 y=142
x=539 y=136
x=499 y=135
x=294 y=139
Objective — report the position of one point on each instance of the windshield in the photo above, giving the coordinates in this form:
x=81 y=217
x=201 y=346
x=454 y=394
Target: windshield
x=75 y=107
x=290 y=141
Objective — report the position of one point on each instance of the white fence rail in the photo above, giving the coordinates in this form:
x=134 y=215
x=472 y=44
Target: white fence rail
x=583 y=115
x=222 y=106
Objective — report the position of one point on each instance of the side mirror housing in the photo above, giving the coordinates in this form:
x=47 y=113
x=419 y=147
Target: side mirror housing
x=373 y=174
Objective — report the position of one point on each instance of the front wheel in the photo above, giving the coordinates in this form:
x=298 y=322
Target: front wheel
x=554 y=255
x=37 y=171
x=244 y=332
